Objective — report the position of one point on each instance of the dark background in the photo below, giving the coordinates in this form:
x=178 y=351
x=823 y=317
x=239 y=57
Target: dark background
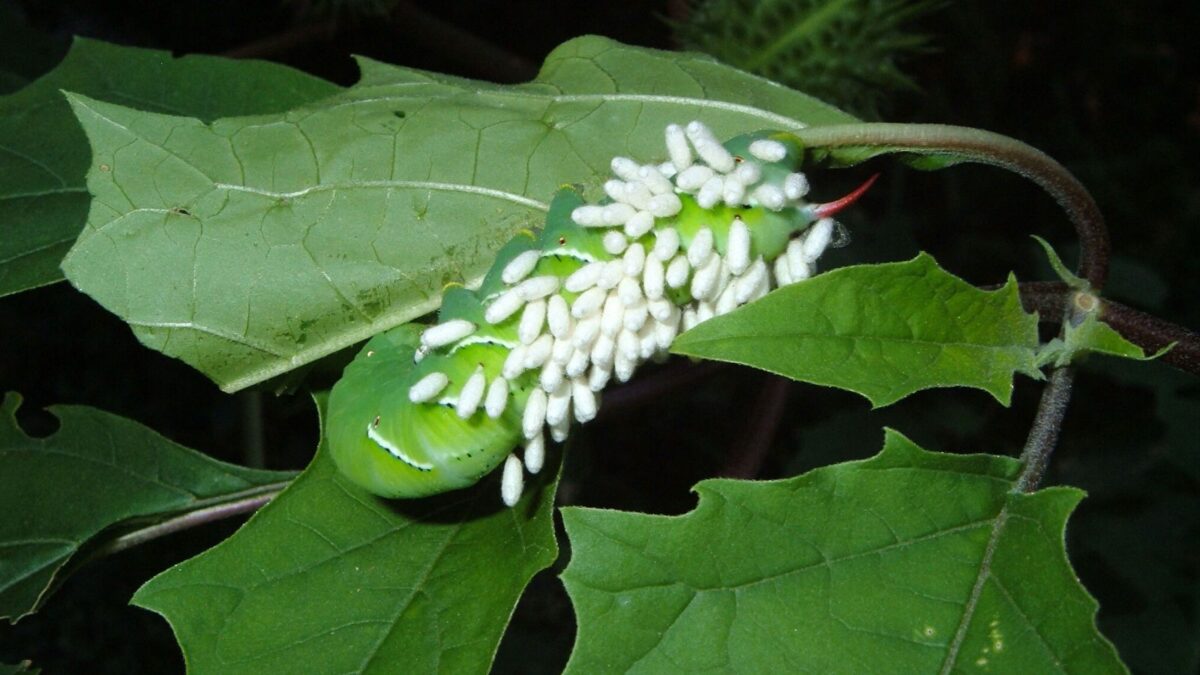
x=1110 y=88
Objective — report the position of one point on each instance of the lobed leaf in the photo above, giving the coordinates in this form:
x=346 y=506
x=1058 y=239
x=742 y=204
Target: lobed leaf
x=249 y=247
x=883 y=331
x=60 y=493
x=907 y=562
x=44 y=153
x=329 y=578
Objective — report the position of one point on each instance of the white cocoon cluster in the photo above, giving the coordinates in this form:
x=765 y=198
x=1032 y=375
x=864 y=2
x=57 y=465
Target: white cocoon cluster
x=622 y=312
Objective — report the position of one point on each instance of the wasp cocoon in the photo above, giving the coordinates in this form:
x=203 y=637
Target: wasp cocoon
x=447 y=332
x=497 y=398
x=535 y=454
x=677 y=147
x=520 y=267
x=428 y=387
x=503 y=306
x=471 y=394
x=512 y=483
x=767 y=150
x=532 y=319
x=700 y=248
x=614 y=242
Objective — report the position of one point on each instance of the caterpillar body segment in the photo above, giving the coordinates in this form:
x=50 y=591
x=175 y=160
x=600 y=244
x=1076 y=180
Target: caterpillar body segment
x=599 y=290
x=395 y=448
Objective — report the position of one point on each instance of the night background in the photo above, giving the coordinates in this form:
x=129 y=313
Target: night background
x=1109 y=88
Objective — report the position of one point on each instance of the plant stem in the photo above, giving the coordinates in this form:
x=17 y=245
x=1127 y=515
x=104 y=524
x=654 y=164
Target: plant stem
x=1046 y=425
x=246 y=501
x=975 y=145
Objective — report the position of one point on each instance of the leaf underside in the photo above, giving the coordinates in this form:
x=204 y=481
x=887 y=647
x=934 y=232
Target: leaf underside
x=251 y=246
x=908 y=562
x=44 y=153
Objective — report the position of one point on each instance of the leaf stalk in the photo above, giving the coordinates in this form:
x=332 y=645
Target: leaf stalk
x=235 y=504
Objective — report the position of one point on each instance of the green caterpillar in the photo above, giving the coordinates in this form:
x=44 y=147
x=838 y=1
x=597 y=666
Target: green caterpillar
x=601 y=289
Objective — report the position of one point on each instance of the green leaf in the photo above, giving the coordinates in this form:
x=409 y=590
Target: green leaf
x=1092 y=336
x=23 y=668
x=883 y=331
x=249 y=247
x=1059 y=268
x=98 y=470
x=44 y=153
x=328 y=578
x=907 y=562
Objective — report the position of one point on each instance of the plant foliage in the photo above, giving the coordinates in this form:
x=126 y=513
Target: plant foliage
x=251 y=235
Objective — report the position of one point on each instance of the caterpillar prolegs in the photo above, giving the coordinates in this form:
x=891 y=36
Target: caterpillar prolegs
x=598 y=291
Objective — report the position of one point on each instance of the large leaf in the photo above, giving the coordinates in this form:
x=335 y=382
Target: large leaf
x=330 y=579
x=910 y=562
x=249 y=247
x=58 y=493
x=44 y=153
x=884 y=331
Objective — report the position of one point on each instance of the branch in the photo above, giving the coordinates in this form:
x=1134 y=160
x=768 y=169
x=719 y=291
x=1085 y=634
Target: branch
x=985 y=147
x=1152 y=334
x=1049 y=299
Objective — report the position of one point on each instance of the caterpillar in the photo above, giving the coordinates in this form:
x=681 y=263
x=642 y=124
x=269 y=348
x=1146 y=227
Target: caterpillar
x=599 y=290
